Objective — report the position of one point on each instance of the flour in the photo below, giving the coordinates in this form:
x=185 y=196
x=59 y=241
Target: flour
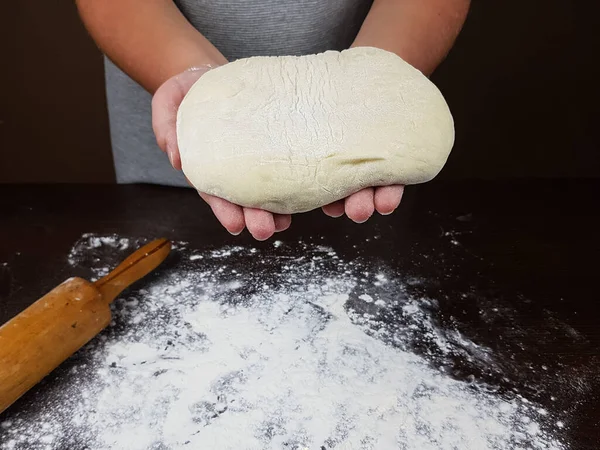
x=90 y=241
x=289 y=349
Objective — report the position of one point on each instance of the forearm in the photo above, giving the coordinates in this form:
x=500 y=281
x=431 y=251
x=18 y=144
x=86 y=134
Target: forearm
x=421 y=32
x=148 y=39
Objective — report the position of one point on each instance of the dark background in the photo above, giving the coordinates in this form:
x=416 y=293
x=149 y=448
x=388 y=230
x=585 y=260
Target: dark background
x=522 y=82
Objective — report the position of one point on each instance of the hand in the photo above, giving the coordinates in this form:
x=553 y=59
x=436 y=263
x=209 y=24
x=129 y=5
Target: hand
x=361 y=205
x=261 y=224
x=165 y=103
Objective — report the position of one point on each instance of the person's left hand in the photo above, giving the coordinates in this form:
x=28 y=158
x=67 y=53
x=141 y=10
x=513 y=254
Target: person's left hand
x=361 y=205
x=261 y=224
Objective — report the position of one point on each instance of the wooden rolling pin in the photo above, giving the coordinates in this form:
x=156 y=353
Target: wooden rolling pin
x=40 y=338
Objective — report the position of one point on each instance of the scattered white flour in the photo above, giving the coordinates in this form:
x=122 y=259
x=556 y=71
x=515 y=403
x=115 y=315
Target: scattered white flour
x=90 y=241
x=290 y=349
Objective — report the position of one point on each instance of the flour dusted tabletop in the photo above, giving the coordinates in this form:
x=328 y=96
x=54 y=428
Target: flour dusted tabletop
x=413 y=332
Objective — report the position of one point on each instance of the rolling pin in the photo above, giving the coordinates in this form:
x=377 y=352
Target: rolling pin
x=39 y=339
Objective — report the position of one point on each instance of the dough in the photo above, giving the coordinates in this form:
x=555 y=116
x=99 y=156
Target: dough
x=290 y=134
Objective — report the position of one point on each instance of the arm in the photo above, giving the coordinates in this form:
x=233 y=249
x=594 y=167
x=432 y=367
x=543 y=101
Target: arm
x=154 y=44
x=419 y=31
x=150 y=40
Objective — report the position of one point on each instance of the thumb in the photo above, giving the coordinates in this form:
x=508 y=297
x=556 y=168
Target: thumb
x=165 y=104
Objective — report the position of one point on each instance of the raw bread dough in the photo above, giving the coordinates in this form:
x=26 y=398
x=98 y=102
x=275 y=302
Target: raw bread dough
x=290 y=134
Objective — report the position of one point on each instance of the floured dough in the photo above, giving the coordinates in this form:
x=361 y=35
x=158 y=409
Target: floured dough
x=290 y=134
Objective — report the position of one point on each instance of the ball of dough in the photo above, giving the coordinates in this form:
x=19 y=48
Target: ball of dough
x=290 y=134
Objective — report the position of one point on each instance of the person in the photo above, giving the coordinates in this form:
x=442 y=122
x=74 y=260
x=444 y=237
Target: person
x=156 y=49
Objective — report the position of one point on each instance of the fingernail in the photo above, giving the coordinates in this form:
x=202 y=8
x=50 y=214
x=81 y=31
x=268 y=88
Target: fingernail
x=235 y=234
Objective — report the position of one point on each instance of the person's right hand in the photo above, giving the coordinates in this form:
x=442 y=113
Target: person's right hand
x=165 y=103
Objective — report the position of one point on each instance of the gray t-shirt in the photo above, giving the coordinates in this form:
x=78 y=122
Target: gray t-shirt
x=239 y=29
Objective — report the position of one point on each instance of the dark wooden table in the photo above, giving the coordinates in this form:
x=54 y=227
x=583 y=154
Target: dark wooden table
x=531 y=245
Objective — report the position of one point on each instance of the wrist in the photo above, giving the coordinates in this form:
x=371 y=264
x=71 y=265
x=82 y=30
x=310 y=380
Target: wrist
x=198 y=60
x=201 y=68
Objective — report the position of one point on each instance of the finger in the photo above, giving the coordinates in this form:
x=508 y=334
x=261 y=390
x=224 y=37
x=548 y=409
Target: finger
x=282 y=221
x=335 y=209
x=360 y=206
x=231 y=216
x=260 y=223
x=387 y=198
x=165 y=104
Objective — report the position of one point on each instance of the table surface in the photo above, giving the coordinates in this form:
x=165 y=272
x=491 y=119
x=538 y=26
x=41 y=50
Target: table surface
x=532 y=244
